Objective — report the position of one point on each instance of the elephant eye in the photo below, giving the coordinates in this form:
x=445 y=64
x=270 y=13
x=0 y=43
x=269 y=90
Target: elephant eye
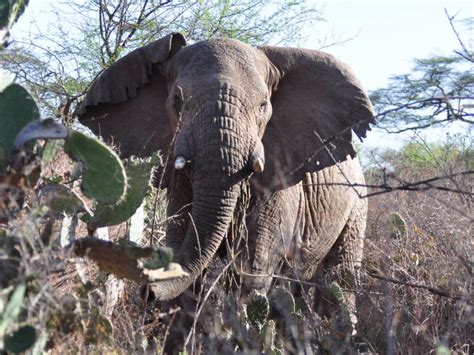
x=263 y=106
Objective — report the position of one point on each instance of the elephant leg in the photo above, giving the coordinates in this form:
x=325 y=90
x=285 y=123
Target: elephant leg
x=342 y=265
x=271 y=236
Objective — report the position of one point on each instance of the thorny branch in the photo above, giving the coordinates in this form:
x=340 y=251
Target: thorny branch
x=433 y=290
x=422 y=185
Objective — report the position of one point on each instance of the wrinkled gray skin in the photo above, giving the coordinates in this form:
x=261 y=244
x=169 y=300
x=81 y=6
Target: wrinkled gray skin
x=223 y=105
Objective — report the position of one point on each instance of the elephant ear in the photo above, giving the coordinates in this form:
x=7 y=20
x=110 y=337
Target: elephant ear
x=317 y=105
x=126 y=103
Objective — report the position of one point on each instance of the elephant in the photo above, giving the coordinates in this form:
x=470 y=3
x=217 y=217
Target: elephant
x=272 y=123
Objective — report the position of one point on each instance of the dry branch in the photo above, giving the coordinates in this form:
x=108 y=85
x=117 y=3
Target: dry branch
x=436 y=291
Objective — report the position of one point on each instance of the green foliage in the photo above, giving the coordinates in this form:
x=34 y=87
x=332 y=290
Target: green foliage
x=138 y=173
x=436 y=91
x=99 y=329
x=272 y=336
x=17 y=108
x=341 y=324
x=20 y=340
x=249 y=21
x=428 y=155
x=269 y=336
x=442 y=350
x=4 y=13
x=16 y=10
x=104 y=178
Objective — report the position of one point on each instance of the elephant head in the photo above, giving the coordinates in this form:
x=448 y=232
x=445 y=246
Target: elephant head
x=223 y=111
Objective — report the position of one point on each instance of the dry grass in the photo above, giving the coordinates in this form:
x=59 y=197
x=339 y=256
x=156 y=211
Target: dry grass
x=71 y=311
x=437 y=252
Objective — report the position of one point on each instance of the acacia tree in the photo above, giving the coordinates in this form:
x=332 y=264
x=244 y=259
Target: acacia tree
x=59 y=63
x=439 y=90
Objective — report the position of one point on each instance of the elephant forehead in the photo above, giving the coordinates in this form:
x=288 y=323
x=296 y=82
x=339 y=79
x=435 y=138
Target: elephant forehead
x=218 y=58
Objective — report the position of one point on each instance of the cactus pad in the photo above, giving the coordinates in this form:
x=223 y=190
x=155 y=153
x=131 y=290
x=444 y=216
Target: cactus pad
x=18 y=109
x=337 y=292
x=138 y=177
x=160 y=258
x=269 y=336
x=104 y=177
x=50 y=150
x=341 y=323
x=20 y=340
x=258 y=310
x=398 y=226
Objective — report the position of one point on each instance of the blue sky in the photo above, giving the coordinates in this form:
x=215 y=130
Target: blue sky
x=389 y=34
x=386 y=36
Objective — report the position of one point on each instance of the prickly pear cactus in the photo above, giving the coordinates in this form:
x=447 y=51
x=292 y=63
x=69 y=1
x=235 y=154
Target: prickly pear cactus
x=160 y=258
x=269 y=336
x=12 y=310
x=20 y=340
x=24 y=337
x=50 y=150
x=104 y=178
x=139 y=173
x=398 y=226
x=341 y=324
x=337 y=293
x=258 y=310
x=18 y=108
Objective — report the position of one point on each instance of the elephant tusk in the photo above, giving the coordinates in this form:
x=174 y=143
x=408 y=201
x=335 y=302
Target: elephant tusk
x=258 y=165
x=179 y=163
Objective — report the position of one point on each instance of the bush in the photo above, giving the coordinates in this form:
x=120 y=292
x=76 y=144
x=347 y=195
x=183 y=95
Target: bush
x=434 y=250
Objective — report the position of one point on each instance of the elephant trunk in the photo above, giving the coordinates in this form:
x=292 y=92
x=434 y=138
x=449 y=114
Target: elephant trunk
x=221 y=156
x=211 y=214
